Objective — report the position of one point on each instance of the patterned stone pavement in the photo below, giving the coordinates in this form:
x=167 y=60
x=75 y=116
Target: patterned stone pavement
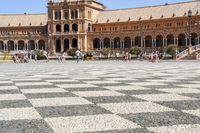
x=100 y=97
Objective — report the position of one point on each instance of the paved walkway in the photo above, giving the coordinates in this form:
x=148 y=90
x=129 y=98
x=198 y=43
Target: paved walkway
x=100 y=96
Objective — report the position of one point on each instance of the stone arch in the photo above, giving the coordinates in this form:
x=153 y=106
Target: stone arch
x=116 y=42
x=74 y=43
x=96 y=43
x=21 y=45
x=138 y=41
x=58 y=46
x=66 y=28
x=1 y=45
x=194 y=38
x=106 y=42
x=32 y=45
x=127 y=42
x=170 y=39
x=66 y=44
x=148 y=41
x=41 y=44
x=182 y=40
x=58 y=28
x=159 y=41
x=74 y=27
x=11 y=45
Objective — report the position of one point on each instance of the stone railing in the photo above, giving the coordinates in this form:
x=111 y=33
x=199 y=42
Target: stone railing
x=182 y=54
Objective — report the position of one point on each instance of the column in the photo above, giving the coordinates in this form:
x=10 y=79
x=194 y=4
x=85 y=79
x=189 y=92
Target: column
x=198 y=40
x=144 y=43
x=131 y=43
x=186 y=42
x=177 y=41
x=174 y=41
x=69 y=13
x=103 y=44
x=163 y=42
x=53 y=14
x=110 y=44
x=36 y=45
x=153 y=43
x=141 y=43
x=62 y=45
x=62 y=14
x=4 y=48
x=78 y=13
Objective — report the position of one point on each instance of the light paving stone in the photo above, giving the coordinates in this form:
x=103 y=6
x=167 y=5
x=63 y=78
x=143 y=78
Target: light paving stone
x=18 y=114
x=75 y=85
x=135 y=107
x=147 y=83
x=89 y=123
x=58 y=101
x=180 y=90
x=97 y=93
x=8 y=87
x=193 y=112
x=195 y=128
x=163 y=97
x=32 y=83
x=4 y=97
x=101 y=82
x=6 y=82
x=51 y=90
x=130 y=87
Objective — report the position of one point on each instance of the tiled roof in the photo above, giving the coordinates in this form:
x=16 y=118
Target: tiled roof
x=23 y=20
x=147 y=13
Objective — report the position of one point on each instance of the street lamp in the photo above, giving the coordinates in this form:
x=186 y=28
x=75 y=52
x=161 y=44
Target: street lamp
x=190 y=36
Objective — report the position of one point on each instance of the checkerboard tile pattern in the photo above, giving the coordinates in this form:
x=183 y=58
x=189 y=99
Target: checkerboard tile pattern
x=100 y=97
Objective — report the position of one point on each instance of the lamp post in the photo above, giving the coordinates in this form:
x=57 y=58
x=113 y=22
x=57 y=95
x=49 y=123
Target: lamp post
x=190 y=35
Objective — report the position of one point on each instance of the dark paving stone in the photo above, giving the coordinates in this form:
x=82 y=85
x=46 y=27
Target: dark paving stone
x=7 y=84
x=36 y=86
x=49 y=95
x=15 y=104
x=111 y=84
x=25 y=126
x=137 y=130
x=162 y=86
x=55 y=78
x=29 y=81
x=182 y=105
x=75 y=110
x=141 y=92
x=162 y=119
x=56 y=83
x=86 y=89
x=193 y=95
x=10 y=92
x=113 y=99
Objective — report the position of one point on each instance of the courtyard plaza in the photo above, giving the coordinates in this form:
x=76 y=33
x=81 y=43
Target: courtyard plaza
x=100 y=97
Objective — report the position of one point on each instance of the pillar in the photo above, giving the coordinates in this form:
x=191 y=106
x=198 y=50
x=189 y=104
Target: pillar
x=198 y=40
x=110 y=44
x=144 y=44
x=53 y=14
x=152 y=41
x=166 y=42
x=163 y=42
x=186 y=41
x=174 y=41
x=62 y=45
x=141 y=43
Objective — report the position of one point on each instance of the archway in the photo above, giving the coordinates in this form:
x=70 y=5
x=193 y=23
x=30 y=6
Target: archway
x=58 y=28
x=1 y=46
x=159 y=41
x=181 y=40
x=116 y=42
x=170 y=39
x=32 y=45
x=138 y=41
x=194 y=39
x=127 y=42
x=74 y=27
x=74 y=43
x=66 y=44
x=41 y=44
x=58 y=46
x=107 y=42
x=148 y=41
x=96 y=43
x=11 y=45
x=66 y=28
x=21 y=45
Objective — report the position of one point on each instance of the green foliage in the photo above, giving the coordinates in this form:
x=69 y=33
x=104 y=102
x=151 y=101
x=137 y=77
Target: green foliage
x=40 y=55
x=135 y=51
x=171 y=50
x=71 y=52
x=106 y=52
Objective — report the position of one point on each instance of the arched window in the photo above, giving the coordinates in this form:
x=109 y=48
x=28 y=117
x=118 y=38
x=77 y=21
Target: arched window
x=41 y=44
x=58 y=28
x=96 y=43
x=21 y=45
x=72 y=14
x=181 y=40
x=76 y=14
x=1 y=46
x=148 y=41
x=138 y=41
x=116 y=42
x=107 y=43
x=159 y=41
x=10 y=45
x=170 y=39
x=66 y=44
x=74 y=43
x=58 y=46
x=66 y=28
x=127 y=42
x=89 y=27
x=74 y=27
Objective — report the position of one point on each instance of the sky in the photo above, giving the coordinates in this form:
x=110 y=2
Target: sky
x=39 y=6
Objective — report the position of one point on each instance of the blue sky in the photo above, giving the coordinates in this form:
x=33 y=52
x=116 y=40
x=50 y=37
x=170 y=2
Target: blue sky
x=39 y=6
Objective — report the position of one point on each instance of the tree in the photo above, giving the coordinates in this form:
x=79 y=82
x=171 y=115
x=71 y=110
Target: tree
x=106 y=52
x=71 y=52
x=171 y=50
x=135 y=51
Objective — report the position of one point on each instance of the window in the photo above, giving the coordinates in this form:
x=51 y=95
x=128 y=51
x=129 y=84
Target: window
x=66 y=15
x=76 y=14
x=72 y=14
x=89 y=27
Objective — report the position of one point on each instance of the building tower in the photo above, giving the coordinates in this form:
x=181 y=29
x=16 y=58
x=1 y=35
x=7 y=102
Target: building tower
x=69 y=22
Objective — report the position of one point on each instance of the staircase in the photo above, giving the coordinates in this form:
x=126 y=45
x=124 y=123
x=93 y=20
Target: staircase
x=185 y=53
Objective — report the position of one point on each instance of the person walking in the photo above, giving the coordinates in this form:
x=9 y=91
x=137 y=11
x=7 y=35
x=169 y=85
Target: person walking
x=78 y=54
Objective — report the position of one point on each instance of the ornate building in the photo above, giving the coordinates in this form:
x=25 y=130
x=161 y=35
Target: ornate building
x=87 y=25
